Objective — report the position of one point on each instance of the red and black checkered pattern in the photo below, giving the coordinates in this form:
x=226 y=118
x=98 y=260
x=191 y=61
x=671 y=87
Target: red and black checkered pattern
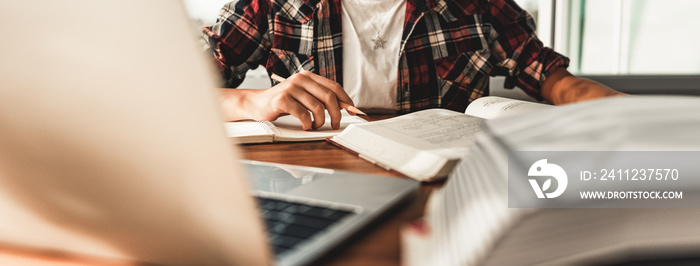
x=449 y=47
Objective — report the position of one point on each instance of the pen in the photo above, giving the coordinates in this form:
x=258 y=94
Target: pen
x=343 y=105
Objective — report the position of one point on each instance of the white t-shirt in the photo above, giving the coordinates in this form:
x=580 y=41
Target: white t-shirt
x=370 y=74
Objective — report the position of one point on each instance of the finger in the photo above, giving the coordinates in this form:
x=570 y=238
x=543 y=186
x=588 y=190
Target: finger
x=312 y=104
x=290 y=106
x=345 y=100
x=330 y=84
x=322 y=93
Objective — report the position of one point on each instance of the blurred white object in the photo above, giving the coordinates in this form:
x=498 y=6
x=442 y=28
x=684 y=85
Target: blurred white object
x=111 y=139
x=469 y=222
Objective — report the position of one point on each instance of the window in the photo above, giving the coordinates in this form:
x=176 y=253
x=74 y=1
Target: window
x=639 y=37
x=637 y=46
x=621 y=36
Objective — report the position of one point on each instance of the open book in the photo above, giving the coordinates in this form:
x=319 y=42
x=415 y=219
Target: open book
x=285 y=129
x=469 y=222
x=426 y=145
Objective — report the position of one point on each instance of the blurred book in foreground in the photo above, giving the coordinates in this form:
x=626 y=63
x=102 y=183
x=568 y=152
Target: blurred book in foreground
x=469 y=222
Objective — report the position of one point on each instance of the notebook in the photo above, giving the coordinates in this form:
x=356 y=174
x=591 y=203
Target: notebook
x=286 y=129
x=113 y=147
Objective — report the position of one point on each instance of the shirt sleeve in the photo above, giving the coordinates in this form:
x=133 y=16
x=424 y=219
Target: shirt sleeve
x=239 y=40
x=522 y=57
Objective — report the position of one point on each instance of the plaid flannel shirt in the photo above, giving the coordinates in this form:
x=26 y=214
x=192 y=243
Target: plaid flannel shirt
x=449 y=48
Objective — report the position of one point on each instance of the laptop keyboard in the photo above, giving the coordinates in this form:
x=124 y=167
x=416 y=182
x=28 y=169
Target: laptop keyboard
x=290 y=223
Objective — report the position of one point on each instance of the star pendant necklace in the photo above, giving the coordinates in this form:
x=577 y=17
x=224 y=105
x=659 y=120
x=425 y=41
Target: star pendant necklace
x=378 y=41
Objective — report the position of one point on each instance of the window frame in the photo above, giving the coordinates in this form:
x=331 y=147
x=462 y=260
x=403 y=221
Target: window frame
x=555 y=31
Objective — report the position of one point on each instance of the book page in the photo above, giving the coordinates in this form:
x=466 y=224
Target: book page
x=245 y=128
x=422 y=145
x=468 y=215
x=491 y=107
x=468 y=221
x=442 y=131
x=290 y=129
x=250 y=131
x=598 y=237
x=285 y=128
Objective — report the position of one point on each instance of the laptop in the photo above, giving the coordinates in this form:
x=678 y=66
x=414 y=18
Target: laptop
x=113 y=147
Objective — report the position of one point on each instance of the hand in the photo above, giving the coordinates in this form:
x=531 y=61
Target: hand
x=561 y=87
x=298 y=95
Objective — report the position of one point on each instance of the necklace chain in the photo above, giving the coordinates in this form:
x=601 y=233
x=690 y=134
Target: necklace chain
x=378 y=41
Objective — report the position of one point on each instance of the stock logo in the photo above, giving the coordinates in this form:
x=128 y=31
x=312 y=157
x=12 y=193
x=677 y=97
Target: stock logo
x=542 y=168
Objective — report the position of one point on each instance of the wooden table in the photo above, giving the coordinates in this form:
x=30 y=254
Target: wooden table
x=380 y=243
